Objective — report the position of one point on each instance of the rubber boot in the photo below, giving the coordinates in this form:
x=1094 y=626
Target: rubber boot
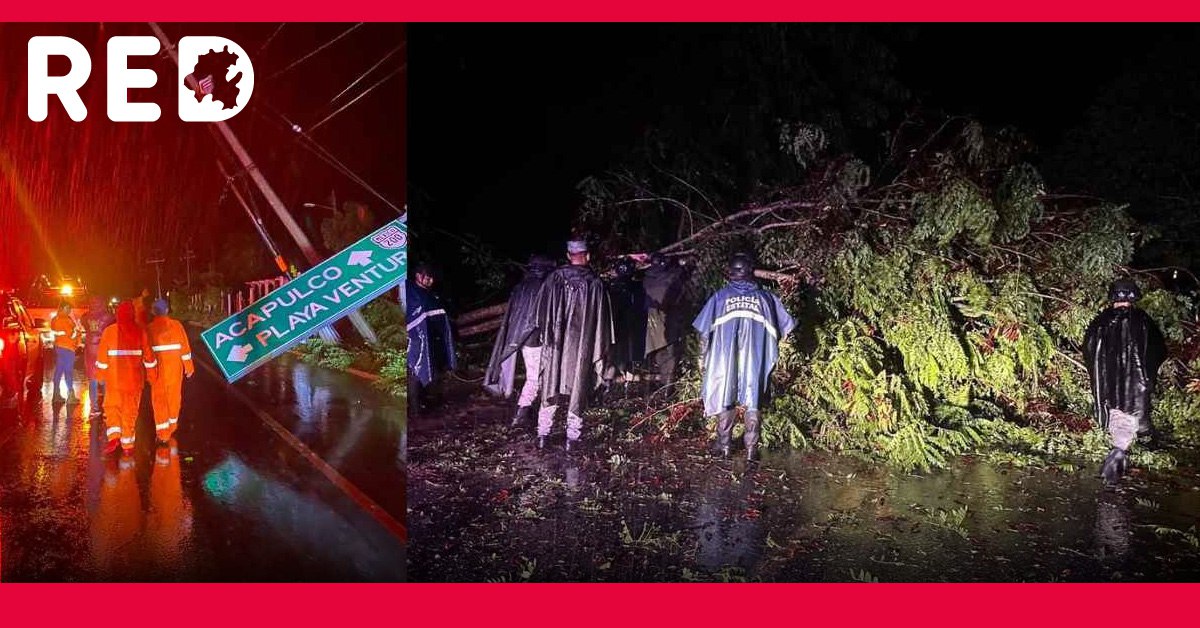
x=725 y=432
x=751 y=437
x=522 y=416
x=541 y=442
x=1114 y=466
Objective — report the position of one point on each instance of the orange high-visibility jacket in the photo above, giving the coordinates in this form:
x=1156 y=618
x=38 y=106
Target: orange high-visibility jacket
x=124 y=361
x=66 y=332
x=170 y=345
x=169 y=342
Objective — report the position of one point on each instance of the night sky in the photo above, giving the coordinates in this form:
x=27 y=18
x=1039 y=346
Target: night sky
x=507 y=119
x=97 y=198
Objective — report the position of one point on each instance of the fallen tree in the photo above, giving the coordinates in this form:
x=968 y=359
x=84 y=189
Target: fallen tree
x=941 y=309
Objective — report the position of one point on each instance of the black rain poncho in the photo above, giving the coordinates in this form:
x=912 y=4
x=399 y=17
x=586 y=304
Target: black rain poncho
x=1123 y=350
x=575 y=324
x=519 y=329
x=629 y=323
x=743 y=325
x=666 y=319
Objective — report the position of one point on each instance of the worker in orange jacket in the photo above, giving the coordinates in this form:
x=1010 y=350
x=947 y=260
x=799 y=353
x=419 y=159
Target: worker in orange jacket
x=125 y=361
x=66 y=340
x=173 y=353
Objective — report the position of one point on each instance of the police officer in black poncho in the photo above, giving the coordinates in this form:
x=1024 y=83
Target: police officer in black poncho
x=519 y=336
x=575 y=322
x=740 y=328
x=629 y=323
x=1123 y=350
x=430 y=337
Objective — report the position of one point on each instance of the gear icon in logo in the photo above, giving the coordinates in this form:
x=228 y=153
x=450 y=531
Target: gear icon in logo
x=209 y=77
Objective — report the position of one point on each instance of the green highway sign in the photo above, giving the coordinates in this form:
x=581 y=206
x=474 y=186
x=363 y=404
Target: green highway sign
x=318 y=297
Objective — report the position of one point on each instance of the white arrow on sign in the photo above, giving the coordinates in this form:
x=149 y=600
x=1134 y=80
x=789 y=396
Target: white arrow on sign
x=360 y=258
x=239 y=353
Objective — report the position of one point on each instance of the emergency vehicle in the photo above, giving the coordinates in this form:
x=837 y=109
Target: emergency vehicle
x=44 y=298
x=21 y=358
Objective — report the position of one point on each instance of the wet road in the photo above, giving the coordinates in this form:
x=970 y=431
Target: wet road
x=232 y=501
x=485 y=504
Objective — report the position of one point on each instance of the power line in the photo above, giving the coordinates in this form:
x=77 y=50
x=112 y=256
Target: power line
x=356 y=98
x=364 y=74
x=269 y=39
x=319 y=49
x=315 y=148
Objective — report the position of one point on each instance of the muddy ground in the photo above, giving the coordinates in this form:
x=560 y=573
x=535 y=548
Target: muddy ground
x=486 y=505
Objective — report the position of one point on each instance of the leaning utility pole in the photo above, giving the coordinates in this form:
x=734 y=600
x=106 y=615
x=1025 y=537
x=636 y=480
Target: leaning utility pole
x=268 y=193
x=327 y=333
x=280 y=263
x=188 y=256
x=157 y=261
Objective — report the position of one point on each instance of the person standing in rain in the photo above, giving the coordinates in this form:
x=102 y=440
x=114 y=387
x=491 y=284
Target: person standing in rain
x=1123 y=350
x=740 y=328
x=666 y=317
x=628 y=302
x=575 y=323
x=94 y=322
x=430 y=339
x=519 y=336
x=126 y=362
x=66 y=340
x=173 y=352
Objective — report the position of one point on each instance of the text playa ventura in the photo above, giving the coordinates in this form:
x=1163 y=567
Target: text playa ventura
x=318 y=297
x=323 y=287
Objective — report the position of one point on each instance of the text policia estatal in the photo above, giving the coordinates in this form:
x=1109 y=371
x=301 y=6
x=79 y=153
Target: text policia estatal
x=330 y=287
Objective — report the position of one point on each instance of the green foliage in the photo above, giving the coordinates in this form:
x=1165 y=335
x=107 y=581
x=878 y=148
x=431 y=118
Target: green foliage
x=1090 y=257
x=1017 y=202
x=1069 y=320
x=923 y=445
x=957 y=209
x=326 y=354
x=802 y=142
x=945 y=309
x=933 y=354
x=1174 y=313
x=393 y=371
x=867 y=282
x=387 y=319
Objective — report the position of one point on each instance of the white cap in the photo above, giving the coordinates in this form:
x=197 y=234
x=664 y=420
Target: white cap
x=577 y=246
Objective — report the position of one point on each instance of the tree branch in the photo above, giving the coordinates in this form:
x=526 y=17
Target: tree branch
x=745 y=213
